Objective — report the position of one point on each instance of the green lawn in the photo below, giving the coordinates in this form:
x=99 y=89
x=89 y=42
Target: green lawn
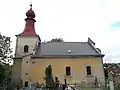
x=109 y=89
x=96 y=88
x=90 y=89
x=87 y=88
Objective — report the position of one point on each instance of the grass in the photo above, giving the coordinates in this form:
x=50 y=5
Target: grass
x=87 y=88
x=90 y=89
x=105 y=88
x=116 y=88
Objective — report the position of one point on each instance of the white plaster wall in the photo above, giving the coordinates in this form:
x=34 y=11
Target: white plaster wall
x=22 y=41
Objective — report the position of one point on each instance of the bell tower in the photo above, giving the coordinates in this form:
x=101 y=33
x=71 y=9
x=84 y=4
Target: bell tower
x=28 y=39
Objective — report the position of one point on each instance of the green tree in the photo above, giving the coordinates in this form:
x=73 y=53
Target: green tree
x=5 y=59
x=5 y=49
x=56 y=40
x=49 y=78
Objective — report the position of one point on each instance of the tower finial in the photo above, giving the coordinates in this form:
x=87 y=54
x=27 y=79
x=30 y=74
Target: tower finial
x=31 y=6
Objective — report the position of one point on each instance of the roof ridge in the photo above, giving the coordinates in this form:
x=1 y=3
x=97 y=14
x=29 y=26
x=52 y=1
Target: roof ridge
x=64 y=42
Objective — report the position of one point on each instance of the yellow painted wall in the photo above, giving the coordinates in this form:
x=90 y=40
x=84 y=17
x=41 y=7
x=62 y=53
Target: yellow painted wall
x=78 y=69
x=16 y=71
x=36 y=72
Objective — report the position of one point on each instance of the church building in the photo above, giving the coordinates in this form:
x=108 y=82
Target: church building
x=77 y=62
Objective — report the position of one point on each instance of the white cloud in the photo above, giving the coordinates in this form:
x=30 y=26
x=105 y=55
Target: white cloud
x=73 y=20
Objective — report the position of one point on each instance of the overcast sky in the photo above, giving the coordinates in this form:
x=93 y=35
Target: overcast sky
x=72 y=20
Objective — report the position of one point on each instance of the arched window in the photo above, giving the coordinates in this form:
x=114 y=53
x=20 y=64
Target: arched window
x=26 y=48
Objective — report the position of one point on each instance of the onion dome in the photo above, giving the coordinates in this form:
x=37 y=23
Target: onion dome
x=30 y=13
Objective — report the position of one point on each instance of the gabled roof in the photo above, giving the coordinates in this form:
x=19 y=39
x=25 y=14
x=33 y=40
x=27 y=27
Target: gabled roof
x=66 y=49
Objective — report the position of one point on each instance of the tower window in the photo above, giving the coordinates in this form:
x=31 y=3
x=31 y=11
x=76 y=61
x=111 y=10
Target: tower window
x=88 y=70
x=68 y=71
x=26 y=61
x=26 y=48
